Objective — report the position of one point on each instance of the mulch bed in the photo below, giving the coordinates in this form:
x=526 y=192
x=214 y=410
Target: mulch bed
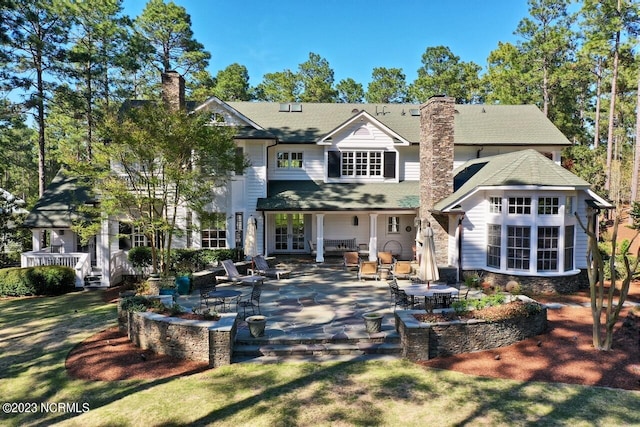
x=564 y=354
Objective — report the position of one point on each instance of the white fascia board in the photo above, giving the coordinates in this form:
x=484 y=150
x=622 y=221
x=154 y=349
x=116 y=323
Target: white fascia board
x=216 y=101
x=464 y=197
x=605 y=203
x=361 y=116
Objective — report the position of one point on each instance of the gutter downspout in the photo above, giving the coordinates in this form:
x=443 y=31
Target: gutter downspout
x=460 y=228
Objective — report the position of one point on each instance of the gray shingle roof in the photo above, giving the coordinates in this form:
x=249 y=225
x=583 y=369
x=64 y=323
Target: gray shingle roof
x=310 y=195
x=58 y=206
x=474 y=124
x=520 y=168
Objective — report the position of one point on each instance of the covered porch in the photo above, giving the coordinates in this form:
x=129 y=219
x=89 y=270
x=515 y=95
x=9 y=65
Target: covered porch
x=328 y=219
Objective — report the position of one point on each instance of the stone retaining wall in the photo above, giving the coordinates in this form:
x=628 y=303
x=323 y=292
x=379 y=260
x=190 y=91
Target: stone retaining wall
x=423 y=341
x=204 y=341
x=539 y=285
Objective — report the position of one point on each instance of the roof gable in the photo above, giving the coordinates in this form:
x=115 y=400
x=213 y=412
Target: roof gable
x=362 y=116
x=59 y=205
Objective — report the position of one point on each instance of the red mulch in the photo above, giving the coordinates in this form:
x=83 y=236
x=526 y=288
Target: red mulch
x=564 y=354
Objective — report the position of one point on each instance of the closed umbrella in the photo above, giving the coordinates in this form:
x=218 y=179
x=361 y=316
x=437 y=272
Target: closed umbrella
x=428 y=270
x=250 y=243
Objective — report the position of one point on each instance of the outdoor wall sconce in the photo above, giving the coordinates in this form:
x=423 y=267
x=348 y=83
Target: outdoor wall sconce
x=355 y=220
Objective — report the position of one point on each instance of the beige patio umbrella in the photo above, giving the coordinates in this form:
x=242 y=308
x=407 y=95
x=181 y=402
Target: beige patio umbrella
x=428 y=269
x=250 y=239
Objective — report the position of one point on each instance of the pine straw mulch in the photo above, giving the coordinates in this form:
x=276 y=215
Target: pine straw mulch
x=564 y=354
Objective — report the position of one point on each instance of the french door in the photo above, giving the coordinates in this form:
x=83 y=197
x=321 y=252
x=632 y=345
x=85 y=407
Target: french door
x=289 y=233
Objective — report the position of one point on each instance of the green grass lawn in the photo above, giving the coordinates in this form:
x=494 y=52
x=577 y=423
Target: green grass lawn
x=36 y=334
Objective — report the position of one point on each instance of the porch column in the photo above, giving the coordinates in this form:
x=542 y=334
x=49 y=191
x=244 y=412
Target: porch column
x=319 y=237
x=373 y=237
x=103 y=253
x=35 y=240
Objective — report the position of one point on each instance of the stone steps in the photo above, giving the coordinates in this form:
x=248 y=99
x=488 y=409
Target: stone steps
x=360 y=346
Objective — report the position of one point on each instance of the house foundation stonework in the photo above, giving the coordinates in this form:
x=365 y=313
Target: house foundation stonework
x=539 y=284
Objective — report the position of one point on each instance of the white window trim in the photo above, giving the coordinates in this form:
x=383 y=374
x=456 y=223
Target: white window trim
x=532 y=220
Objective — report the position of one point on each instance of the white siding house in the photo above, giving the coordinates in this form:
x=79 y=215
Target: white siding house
x=332 y=177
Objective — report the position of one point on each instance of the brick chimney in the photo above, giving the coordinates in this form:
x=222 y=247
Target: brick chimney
x=436 y=165
x=173 y=90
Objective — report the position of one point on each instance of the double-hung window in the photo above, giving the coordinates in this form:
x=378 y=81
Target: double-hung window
x=214 y=230
x=548 y=248
x=494 y=242
x=530 y=234
x=518 y=247
x=361 y=163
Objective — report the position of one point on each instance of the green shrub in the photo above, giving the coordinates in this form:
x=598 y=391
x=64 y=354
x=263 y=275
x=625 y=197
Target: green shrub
x=43 y=280
x=140 y=257
x=134 y=303
x=466 y=305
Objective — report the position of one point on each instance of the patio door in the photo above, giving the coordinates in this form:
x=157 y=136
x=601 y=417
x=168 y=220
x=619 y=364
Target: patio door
x=289 y=233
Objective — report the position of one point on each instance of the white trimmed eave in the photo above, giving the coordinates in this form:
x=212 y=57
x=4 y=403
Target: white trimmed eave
x=605 y=204
x=361 y=116
x=453 y=207
x=232 y=111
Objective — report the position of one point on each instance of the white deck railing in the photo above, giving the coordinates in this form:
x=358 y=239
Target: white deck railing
x=79 y=261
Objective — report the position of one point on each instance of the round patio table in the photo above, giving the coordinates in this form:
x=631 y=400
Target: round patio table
x=226 y=296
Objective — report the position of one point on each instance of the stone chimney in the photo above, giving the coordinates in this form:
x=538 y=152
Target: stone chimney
x=173 y=90
x=436 y=165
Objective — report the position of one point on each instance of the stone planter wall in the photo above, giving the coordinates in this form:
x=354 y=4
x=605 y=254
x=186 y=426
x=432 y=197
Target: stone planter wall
x=423 y=341
x=204 y=341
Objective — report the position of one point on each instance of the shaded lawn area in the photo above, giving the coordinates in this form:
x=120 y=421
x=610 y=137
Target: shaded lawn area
x=36 y=334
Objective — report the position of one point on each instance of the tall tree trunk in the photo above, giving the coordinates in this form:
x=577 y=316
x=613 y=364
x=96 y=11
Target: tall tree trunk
x=636 y=157
x=612 y=105
x=41 y=130
x=545 y=89
x=596 y=124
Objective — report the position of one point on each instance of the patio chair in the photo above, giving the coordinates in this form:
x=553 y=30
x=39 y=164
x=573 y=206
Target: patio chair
x=263 y=269
x=400 y=298
x=368 y=270
x=442 y=300
x=385 y=259
x=234 y=276
x=252 y=300
x=205 y=297
x=402 y=270
x=393 y=288
x=351 y=260
x=462 y=294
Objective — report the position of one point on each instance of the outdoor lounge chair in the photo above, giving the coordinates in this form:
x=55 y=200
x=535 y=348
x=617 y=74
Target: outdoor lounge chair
x=402 y=270
x=368 y=270
x=234 y=276
x=385 y=259
x=262 y=268
x=351 y=260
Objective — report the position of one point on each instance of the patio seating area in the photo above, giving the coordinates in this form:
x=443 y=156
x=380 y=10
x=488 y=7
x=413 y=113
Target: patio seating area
x=317 y=300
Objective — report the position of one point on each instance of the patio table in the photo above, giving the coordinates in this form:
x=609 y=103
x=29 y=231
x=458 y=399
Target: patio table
x=226 y=295
x=421 y=290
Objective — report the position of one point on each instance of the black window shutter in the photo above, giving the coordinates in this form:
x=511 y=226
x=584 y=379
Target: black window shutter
x=333 y=164
x=389 y=164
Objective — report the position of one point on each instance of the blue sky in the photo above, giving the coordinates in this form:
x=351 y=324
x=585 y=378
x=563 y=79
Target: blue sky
x=354 y=36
